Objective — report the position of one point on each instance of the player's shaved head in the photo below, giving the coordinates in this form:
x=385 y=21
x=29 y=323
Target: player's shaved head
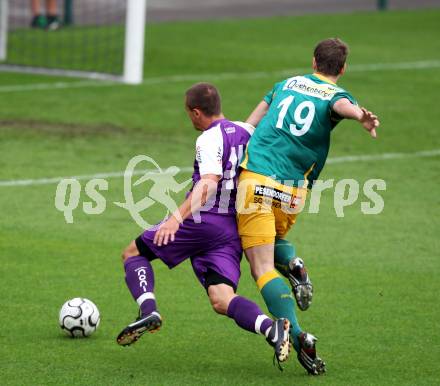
x=330 y=56
x=205 y=97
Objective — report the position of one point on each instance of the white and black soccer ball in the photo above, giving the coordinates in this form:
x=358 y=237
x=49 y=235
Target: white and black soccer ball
x=79 y=317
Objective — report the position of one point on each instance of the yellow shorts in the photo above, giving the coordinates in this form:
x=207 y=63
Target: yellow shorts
x=265 y=208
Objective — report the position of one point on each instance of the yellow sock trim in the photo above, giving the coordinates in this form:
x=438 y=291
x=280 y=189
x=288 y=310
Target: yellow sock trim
x=265 y=278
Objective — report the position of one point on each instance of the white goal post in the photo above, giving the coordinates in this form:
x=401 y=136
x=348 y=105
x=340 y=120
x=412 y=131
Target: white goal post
x=135 y=20
x=3 y=28
x=134 y=41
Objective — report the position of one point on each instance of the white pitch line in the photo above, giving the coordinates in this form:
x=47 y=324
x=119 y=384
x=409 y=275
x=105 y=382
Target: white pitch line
x=55 y=180
x=331 y=160
x=383 y=156
x=372 y=67
x=54 y=86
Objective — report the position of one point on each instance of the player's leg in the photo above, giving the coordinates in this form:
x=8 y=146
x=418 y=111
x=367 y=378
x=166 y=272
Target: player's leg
x=293 y=268
x=244 y=312
x=250 y=317
x=139 y=277
x=53 y=21
x=286 y=261
x=284 y=253
x=38 y=20
x=218 y=270
x=257 y=229
x=285 y=216
x=275 y=292
x=35 y=7
x=278 y=298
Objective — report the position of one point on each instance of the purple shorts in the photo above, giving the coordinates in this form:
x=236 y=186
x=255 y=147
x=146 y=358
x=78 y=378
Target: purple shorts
x=212 y=245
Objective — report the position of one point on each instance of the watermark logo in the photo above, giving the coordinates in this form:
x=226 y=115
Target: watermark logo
x=159 y=185
x=163 y=182
x=67 y=197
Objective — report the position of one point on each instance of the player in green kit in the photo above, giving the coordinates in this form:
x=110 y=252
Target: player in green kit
x=285 y=155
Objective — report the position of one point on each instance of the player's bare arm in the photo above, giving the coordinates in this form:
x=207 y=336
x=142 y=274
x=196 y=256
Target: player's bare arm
x=258 y=113
x=203 y=190
x=367 y=119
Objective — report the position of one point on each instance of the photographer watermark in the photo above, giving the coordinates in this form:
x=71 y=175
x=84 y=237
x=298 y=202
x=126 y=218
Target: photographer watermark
x=68 y=192
x=290 y=196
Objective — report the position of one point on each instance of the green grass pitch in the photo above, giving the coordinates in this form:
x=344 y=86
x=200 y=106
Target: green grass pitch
x=376 y=309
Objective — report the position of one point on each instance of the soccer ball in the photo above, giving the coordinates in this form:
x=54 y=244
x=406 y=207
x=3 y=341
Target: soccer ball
x=79 y=317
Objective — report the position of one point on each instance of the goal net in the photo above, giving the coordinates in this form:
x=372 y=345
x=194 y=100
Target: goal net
x=98 y=39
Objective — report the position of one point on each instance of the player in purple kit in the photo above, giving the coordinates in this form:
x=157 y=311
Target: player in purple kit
x=204 y=230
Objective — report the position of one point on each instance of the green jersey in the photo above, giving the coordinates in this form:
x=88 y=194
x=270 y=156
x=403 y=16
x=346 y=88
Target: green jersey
x=292 y=141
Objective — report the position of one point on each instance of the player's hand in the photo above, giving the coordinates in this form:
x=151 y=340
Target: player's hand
x=166 y=232
x=369 y=121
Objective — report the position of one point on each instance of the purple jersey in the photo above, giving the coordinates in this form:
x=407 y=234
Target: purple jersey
x=219 y=150
x=212 y=243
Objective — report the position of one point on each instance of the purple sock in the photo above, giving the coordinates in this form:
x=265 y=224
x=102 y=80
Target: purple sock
x=139 y=277
x=248 y=315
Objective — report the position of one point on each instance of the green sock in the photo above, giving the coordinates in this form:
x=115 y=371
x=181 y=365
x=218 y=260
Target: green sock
x=278 y=298
x=284 y=252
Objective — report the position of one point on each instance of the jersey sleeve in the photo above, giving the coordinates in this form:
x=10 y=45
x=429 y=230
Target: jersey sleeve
x=271 y=94
x=247 y=126
x=335 y=117
x=341 y=95
x=209 y=152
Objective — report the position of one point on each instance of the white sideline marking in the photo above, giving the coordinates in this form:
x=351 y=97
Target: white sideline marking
x=418 y=65
x=383 y=156
x=55 y=180
x=54 y=86
x=331 y=160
